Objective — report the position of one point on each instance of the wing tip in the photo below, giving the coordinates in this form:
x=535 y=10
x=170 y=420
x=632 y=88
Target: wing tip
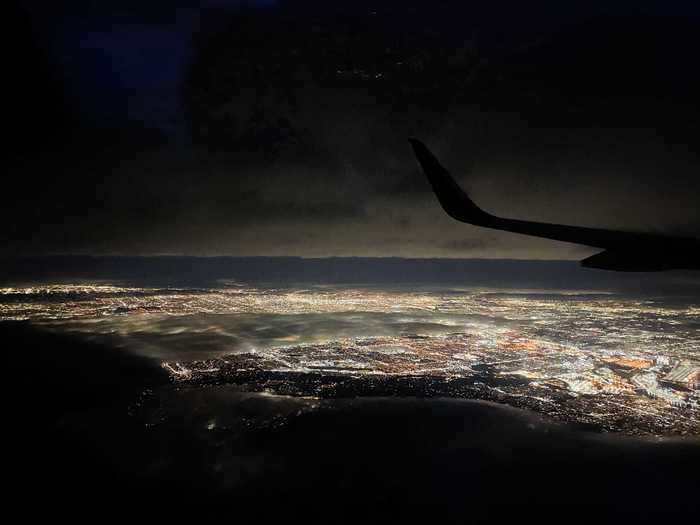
x=419 y=148
x=452 y=197
x=427 y=159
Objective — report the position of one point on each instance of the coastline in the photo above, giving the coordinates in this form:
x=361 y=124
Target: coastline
x=218 y=452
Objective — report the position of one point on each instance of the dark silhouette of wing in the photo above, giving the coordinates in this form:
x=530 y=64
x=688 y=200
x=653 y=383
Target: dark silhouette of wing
x=626 y=251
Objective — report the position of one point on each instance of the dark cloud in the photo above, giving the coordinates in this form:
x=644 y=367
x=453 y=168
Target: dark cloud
x=296 y=142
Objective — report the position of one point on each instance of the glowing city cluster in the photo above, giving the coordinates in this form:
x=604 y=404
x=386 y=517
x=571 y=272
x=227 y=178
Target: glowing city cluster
x=615 y=362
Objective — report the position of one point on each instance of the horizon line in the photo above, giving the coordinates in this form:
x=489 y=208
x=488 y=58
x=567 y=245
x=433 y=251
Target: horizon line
x=299 y=257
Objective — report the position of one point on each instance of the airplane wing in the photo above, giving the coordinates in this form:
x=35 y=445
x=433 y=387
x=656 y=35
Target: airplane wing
x=618 y=244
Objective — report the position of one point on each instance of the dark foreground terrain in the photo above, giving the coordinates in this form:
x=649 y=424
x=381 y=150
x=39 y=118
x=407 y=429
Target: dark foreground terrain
x=95 y=433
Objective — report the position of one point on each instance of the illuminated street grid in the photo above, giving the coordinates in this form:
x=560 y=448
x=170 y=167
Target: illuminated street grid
x=616 y=363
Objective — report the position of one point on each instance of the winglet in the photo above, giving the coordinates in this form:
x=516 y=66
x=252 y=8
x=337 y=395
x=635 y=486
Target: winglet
x=453 y=199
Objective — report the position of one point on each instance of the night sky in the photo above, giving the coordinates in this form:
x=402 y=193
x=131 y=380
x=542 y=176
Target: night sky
x=280 y=127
